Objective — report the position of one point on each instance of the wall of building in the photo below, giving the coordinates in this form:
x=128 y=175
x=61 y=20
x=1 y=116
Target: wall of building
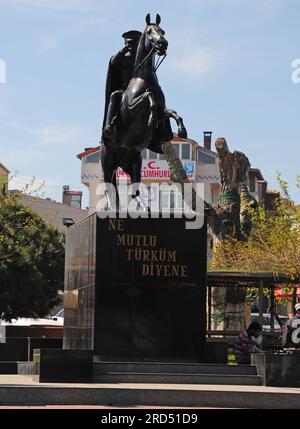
x=203 y=163
x=3 y=179
x=53 y=212
x=155 y=169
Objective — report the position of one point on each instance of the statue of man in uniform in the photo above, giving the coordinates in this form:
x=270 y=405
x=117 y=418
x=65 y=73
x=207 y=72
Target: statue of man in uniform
x=119 y=73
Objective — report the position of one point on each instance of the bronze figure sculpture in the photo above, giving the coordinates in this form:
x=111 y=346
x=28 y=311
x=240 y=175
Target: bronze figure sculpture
x=234 y=200
x=119 y=73
x=136 y=117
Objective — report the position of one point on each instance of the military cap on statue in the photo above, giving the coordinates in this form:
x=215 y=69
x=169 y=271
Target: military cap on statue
x=132 y=35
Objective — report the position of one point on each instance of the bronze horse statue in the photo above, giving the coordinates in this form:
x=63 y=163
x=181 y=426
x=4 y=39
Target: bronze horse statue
x=142 y=120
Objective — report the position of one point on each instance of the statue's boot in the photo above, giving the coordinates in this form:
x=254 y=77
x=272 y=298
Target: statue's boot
x=108 y=130
x=112 y=112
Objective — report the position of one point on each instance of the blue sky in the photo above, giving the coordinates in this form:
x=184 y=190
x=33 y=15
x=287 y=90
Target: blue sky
x=228 y=70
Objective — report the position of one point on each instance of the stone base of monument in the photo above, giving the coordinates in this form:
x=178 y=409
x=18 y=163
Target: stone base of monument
x=15 y=367
x=278 y=369
x=63 y=366
x=135 y=289
x=21 y=392
x=174 y=373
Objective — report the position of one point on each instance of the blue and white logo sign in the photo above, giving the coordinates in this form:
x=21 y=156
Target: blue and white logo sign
x=189 y=167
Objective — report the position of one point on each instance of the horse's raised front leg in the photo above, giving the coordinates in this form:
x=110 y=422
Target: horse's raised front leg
x=153 y=110
x=169 y=113
x=140 y=103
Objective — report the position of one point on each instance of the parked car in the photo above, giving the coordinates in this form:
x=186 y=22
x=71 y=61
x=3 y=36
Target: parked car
x=267 y=321
x=30 y=328
x=22 y=321
x=59 y=317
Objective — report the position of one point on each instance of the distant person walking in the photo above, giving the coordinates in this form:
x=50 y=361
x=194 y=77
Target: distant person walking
x=291 y=335
x=249 y=341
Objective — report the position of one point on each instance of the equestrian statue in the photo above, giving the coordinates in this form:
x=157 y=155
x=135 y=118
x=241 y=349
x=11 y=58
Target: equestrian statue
x=135 y=115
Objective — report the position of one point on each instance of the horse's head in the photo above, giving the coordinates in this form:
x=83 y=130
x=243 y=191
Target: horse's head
x=155 y=36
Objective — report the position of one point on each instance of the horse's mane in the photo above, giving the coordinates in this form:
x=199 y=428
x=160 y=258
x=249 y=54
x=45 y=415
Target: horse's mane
x=140 y=50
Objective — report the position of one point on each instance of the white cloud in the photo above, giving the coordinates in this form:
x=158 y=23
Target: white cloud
x=32 y=185
x=194 y=52
x=48 y=42
x=268 y=7
x=197 y=62
x=17 y=126
x=22 y=157
x=48 y=135
x=58 y=5
x=57 y=135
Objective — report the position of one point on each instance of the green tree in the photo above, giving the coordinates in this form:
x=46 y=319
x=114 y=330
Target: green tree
x=31 y=261
x=274 y=244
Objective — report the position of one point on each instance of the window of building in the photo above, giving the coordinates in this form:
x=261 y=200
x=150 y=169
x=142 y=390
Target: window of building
x=179 y=201
x=252 y=183
x=162 y=157
x=176 y=148
x=172 y=200
x=164 y=201
x=186 y=151
x=144 y=153
x=194 y=154
x=76 y=201
x=204 y=158
x=152 y=155
x=93 y=158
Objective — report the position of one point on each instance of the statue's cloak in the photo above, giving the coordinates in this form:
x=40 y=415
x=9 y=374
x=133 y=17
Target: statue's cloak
x=118 y=76
x=113 y=83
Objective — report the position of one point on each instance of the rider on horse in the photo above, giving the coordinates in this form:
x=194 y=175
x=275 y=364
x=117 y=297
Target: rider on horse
x=119 y=73
x=135 y=114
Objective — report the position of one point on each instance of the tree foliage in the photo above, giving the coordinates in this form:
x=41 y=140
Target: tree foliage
x=31 y=261
x=274 y=244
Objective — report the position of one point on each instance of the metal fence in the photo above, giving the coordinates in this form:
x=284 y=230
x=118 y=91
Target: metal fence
x=260 y=281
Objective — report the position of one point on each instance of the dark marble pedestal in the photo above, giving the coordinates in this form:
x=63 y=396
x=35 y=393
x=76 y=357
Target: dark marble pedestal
x=280 y=369
x=63 y=366
x=135 y=289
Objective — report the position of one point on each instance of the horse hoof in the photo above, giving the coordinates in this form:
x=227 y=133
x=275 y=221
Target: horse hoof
x=182 y=133
x=108 y=131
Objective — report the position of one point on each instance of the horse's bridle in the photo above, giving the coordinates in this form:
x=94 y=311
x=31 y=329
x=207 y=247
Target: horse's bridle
x=158 y=64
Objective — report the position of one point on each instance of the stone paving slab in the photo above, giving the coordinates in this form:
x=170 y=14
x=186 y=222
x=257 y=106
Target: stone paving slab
x=19 y=390
x=24 y=380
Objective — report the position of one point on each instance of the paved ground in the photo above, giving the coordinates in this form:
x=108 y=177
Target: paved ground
x=17 y=389
x=26 y=380
x=100 y=407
